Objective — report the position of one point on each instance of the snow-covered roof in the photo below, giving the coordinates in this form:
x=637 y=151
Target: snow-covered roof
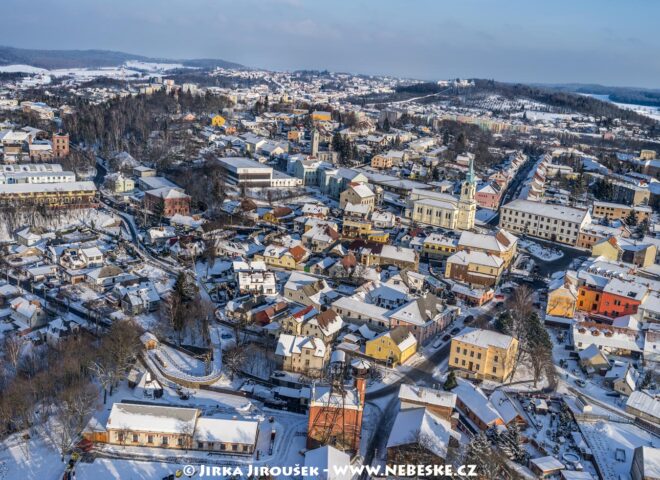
x=327 y=459
x=426 y=396
x=643 y=402
x=224 y=430
x=465 y=257
x=418 y=425
x=559 y=212
x=475 y=400
x=152 y=418
x=484 y=338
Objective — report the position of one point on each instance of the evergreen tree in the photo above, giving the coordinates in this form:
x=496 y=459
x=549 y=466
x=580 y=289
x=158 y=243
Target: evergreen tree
x=451 y=382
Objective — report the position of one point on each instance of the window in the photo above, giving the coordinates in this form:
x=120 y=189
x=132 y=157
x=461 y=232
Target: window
x=496 y=358
x=166 y=440
x=479 y=356
x=223 y=446
x=494 y=369
x=245 y=448
x=150 y=439
x=135 y=438
x=200 y=445
x=456 y=361
x=463 y=362
x=234 y=447
x=458 y=349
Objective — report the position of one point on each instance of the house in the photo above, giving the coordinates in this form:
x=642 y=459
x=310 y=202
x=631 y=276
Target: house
x=546 y=466
x=483 y=354
x=488 y=195
x=60 y=329
x=474 y=404
x=167 y=201
x=393 y=347
x=645 y=463
x=418 y=436
x=307 y=355
x=562 y=301
x=329 y=461
x=300 y=288
x=509 y=410
x=592 y=360
x=358 y=194
x=28 y=310
x=256 y=279
x=622 y=378
x=138 y=298
x=475 y=268
x=278 y=215
x=644 y=405
x=179 y=428
x=310 y=322
x=424 y=317
x=616 y=248
x=282 y=257
x=438 y=402
x=501 y=244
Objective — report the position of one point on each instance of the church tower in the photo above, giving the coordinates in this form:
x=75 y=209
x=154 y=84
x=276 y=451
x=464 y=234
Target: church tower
x=467 y=205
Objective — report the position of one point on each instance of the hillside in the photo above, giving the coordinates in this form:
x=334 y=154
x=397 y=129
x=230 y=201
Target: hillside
x=54 y=59
x=559 y=100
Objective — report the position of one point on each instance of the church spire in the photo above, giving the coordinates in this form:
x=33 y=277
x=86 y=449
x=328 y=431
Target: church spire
x=470 y=175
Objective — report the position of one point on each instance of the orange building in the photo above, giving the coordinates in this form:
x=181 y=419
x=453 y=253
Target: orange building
x=621 y=298
x=588 y=299
x=335 y=414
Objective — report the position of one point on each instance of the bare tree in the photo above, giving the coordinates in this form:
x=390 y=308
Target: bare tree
x=11 y=345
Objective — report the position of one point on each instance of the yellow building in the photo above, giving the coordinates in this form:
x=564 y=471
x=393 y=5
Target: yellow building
x=501 y=244
x=320 y=116
x=439 y=245
x=619 y=211
x=283 y=257
x=647 y=155
x=478 y=269
x=51 y=195
x=562 y=302
x=394 y=347
x=483 y=354
x=617 y=249
x=217 y=121
x=382 y=162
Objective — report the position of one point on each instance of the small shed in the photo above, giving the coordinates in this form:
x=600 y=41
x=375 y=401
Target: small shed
x=546 y=466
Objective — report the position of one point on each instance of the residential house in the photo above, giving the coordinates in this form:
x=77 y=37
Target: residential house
x=483 y=354
x=307 y=355
x=393 y=347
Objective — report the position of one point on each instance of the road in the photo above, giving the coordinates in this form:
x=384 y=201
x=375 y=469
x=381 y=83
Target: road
x=420 y=373
x=513 y=189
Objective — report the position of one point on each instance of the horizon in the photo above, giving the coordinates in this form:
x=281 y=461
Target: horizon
x=602 y=42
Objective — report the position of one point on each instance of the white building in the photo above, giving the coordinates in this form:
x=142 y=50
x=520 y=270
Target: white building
x=556 y=223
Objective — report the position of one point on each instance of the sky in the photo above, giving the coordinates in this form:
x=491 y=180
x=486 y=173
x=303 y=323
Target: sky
x=611 y=42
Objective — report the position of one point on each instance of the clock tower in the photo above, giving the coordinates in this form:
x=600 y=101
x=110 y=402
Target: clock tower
x=467 y=205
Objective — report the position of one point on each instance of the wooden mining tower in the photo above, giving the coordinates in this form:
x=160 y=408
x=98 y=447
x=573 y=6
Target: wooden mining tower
x=335 y=410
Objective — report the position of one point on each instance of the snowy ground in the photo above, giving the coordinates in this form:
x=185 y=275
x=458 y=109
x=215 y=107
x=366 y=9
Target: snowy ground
x=546 y=254
x=608 y=440
x=36 y=459
x=106 y=469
